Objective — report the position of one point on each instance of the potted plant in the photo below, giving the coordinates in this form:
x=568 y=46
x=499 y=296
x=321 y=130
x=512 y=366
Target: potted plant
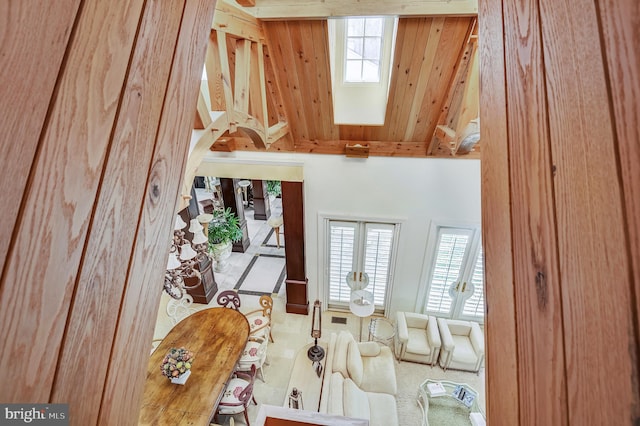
x=274 y=188
x=224 y=230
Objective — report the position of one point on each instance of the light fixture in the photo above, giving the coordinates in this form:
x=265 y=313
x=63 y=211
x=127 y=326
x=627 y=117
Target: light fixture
x=184 y=256
x=315 y=352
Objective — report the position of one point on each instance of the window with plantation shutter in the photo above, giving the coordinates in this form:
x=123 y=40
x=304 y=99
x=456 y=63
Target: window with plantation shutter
x=359 y=246
x=341 y=256
x=474 y=306
x=455 y=284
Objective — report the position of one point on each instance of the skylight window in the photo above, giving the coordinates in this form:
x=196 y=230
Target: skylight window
x=360 y=52
x=364 y=49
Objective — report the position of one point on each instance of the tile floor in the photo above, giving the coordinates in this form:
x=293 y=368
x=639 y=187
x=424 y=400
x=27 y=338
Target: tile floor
x=291 y=332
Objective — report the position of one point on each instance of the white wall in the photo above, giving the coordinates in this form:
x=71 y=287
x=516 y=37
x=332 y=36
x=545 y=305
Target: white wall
x=414 y=190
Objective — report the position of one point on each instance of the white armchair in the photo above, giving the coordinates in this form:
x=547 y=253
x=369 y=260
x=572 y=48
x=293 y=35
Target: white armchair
x=418 y=338
x=462 y=345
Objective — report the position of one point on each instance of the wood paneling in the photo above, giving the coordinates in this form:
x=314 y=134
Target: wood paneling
x=620 y=38
x=58 y=208
x=541 y=366
x=500 y=328
x=28 y=76
x=88 y=254
x=590 y=219
x=138 y=311
x=571 y=209
x=102 y=275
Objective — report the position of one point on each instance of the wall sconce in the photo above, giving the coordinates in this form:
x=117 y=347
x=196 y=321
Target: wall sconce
x=315 y=352
x=184 y=256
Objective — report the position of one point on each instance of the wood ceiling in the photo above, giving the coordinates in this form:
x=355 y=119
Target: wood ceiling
x=269 y=81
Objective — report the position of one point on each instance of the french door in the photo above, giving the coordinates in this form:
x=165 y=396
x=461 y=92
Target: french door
x=358 y=246
x=455 y=286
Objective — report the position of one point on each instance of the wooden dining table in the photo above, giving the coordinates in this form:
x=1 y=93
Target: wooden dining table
x=216 y=336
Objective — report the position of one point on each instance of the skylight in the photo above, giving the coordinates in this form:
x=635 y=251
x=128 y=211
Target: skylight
x=361 y=49
x=364 y=49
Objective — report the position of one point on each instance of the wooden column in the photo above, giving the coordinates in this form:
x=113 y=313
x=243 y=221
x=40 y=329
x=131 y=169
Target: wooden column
x=293 y=215
x=261 y=206
x=232 y=198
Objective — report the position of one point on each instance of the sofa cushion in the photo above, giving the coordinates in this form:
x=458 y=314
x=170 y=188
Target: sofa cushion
x=416 y=320
x=354 y=363
x=461 y=328
x=356 y=402
x=418 y=343
x=335 y=403
x=464 y=351
x=383 y=409
x=340 y=353
x=379 y=372
x=369 y=348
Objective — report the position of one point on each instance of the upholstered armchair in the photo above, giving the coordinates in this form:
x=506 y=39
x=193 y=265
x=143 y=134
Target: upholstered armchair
x=418 y=338
x=462 y=345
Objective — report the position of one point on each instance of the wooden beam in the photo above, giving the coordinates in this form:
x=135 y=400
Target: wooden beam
x=236 y=22
x=208 y=137
x=311 y=9
x=214 y=74
x=243 y=71
x=202 y=117
x=276 y=132
x=226 y=76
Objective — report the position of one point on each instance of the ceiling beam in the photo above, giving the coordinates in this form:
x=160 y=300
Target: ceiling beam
x=310 y=9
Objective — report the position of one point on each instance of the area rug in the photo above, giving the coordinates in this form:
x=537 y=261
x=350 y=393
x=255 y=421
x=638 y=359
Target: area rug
x=264 y=275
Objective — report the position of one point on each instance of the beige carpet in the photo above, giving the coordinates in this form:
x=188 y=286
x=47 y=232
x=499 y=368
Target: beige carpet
x=291 y=332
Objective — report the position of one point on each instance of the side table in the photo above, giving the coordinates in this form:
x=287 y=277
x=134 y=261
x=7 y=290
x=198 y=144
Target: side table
x=382 y=330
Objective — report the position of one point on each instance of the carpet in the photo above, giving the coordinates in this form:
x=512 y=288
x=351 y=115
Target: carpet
x=264 y=275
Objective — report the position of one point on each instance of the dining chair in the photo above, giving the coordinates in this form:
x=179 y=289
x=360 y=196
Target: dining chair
x=237 y=395
x=229 y=299
x=254 y=355
x=179 y=309
x=260 y=319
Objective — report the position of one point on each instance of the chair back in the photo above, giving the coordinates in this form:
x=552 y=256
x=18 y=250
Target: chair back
x=266 y=303
x=229 y=299
x=179 y=309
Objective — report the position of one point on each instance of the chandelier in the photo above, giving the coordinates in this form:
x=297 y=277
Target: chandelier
x=184 y=257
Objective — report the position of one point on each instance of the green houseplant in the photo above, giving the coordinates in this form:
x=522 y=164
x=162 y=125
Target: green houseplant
x=224 y=230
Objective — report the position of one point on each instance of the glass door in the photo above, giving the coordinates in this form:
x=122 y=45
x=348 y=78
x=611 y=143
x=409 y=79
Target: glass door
x=455 y=282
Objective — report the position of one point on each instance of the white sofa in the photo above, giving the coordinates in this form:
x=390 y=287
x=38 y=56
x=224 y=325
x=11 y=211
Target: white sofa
x=418 y=339
x=462 y=345
x=359 y=381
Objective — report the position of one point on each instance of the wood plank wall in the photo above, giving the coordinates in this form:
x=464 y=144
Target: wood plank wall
x=99 y=122
x=561 y=178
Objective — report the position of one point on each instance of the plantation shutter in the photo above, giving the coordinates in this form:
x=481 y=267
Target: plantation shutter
x=450 y=256
x=359 y=247
x=474 y=305
x=342 y=243
x=377 y=259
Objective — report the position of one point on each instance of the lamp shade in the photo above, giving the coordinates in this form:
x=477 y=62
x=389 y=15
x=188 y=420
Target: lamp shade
x=180 y=224
x=173 y=262
x=195 y=226
x=187 y=252
x=199 y=238
x=361 y=303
